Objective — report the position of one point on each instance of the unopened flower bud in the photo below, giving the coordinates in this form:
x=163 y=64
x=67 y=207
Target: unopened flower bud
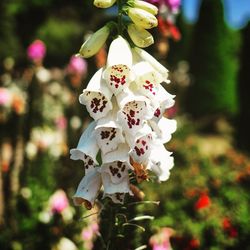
x=146 y=6
x=142 y=18
x=104 y=3
x=94 y=43
x=140 y=37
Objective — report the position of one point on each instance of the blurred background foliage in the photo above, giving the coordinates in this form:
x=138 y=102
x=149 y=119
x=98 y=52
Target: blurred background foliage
x=204 y=204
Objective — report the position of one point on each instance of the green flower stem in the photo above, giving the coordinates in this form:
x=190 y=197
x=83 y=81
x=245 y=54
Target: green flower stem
x=119 y=22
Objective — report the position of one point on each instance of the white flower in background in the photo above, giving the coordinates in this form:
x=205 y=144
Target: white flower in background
x=88 y=189
x=97 y=97
x=104 y=3
x=118 y=74
x=65 y=244
x=87 y=149
x=160 y=162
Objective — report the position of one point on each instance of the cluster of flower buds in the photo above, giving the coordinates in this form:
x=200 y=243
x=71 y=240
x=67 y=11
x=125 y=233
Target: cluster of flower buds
x=127 y=101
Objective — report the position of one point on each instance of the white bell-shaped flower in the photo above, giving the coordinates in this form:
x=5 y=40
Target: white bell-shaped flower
x=109 y=132
x=147 y=79
x=97 y=97
x=145 y=56
x=114 y=170
x=160 y=162
x=87 y=148
x=164 y=101
x=134 y=111
x=88 y=189
x=164 y=128
x=118 y=74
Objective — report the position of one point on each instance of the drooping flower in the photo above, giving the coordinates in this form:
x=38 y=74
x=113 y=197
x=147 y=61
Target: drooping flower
x=160 y=162
x=88 y=189
x=87 y=149
x=134 y=111
x=109 y=132
x=118 y=74
x=97 y=96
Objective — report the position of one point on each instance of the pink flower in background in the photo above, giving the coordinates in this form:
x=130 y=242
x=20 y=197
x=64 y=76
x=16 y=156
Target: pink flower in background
x=174 y=5
x=61 y=122
x=161 y=240
x=36 y=50
x=5 y=96
x=58 y=201
x=77 y=65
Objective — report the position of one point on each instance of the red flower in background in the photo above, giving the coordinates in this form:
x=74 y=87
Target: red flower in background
x=203 y=202
x=229 y=228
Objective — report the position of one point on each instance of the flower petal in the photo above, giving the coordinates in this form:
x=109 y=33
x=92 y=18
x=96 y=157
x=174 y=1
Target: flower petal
x=164 y=128
x=88 y=189
x=120 y=154
x=118 y=73
x=160 y=162
x=87 y=148
x=142 y=149
x=97 y=97
x=109 y=132
x=111 y=187
x=135 y=110
x=145 y=56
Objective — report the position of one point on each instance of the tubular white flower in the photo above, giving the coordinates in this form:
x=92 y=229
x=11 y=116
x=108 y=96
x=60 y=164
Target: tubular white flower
x=160 y=162
x=114 y=170
x=97 y=97
x=87 y=148
x=120 y=154
x=142 y=18
x=88 y=189
x=109 y=132
x=135 y=110
x=104 y=3
x=95 y=41
x=164 y=128
x=163 y=102
x=146 y=6
x=147 y=79
x=145 y=56
x=118 y=73
x=141 y=144
x=140 y=37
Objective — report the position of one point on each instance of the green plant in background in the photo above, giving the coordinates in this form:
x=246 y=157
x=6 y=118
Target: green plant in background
x=213 y=64
x=243 y=134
